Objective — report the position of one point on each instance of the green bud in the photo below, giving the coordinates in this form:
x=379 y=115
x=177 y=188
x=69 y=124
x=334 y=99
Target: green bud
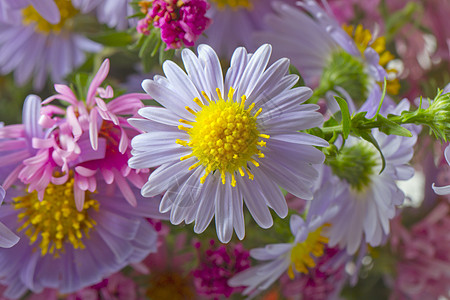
x=346 y=71
x=355 y=164
x=436 y=116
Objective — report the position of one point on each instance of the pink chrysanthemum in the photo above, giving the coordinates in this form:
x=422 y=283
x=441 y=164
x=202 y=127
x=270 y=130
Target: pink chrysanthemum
x=97 y=127
x=181 y=22
x=423 y=270
x=217 y=265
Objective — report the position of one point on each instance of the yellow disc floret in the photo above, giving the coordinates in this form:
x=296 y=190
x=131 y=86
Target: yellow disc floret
x=224 y=136
x=66 y=10
x=234 y=4
x=55 y=220
x=363 y=39
x=301 y=253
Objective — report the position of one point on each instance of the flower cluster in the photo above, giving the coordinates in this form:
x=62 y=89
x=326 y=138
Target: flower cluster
x=181 y=22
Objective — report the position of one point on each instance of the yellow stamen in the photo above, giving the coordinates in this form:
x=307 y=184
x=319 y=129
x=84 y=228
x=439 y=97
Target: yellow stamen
x=55 y=220
x=224 y=137
x=66 y=10
x=300 y=255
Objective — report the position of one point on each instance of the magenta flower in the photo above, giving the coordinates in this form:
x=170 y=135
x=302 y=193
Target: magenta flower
x=181 y=22
x=216 y=266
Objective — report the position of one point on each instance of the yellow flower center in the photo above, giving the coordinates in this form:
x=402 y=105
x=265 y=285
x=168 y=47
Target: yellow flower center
x=363 y=39
x=55 y=220
x=224 y=136
x=234 y=4
x=66 y=10
x=301 y=253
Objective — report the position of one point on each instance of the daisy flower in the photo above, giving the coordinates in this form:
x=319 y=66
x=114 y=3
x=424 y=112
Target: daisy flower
x=233 y=24
x=365 y=199
x=294 y=258
x=31 y=47
x=327 y=55
x=219 y=143
x=7 y=237
x=67 y=249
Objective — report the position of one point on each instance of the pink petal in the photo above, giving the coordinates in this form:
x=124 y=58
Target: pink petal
x=73 y=121
x=93 y=129
x=67 y=92
x=108 y=175
x=12 y=177
x=46 y=122
x=98 y=79
x=60 y=180
x=79 y=197
x=85 y=172
x=123 y=144
x=125 y=189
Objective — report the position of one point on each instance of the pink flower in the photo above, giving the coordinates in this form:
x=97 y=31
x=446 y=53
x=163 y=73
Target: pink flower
x=217 y=265
x=181 y=22
x=90 y=137
x=423 y=269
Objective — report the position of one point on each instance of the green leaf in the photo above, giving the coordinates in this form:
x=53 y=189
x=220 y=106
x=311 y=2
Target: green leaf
x=345 y=116
x=369 y=137
x=389 y=127
x=113 y=39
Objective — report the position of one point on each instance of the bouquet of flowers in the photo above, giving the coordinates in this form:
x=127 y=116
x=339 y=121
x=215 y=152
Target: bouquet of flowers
x=314 y=133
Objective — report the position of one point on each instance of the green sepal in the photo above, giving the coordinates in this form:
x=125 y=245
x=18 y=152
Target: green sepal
x=369 y=137
x=389 y=127
x=294 y=70
x=345 y=114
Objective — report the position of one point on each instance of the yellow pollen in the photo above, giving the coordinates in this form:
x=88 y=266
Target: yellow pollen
x=224 y=137
x=234 y=4
x=301 y=253
x=363 y=39
x=66 y=10
x=55 y=219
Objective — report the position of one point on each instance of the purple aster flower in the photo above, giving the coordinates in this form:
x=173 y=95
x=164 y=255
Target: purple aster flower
x=31 y=47
x=219 y=143
x=216 y=265
x=322 y=282
x=365 y=199
x=295 y=258
x=114 y=13
x=16 y=140
x=7 y=237
x=443 y=190
x=67 y=249
x=48 y=9
x=233 y=24
x=327 y=55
